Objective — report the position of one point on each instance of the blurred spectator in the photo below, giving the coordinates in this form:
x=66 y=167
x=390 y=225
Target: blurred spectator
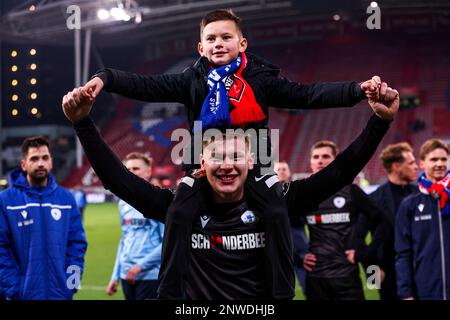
x=401 y=167
x=138 y=257
x=422 y=230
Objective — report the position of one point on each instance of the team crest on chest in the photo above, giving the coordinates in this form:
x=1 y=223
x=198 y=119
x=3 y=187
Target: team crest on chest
x=339 y=202
x=56 y=214
x=248 y=217
x=24 y=214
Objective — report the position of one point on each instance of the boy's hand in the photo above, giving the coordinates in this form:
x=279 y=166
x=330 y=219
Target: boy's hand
x=93 y=87
x=386 y=107
x=372 y=87
x=77 y=104
x=350 y=256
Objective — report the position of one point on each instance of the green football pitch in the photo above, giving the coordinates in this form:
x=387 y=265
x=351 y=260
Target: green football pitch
x=103 y=233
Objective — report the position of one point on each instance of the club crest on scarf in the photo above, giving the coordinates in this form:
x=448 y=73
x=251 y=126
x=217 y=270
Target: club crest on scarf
x=440 y=190
x=226 y=86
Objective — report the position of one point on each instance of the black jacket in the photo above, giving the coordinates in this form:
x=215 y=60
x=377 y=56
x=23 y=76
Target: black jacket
x=190 y=88
x=304 y=194
x=332 y=231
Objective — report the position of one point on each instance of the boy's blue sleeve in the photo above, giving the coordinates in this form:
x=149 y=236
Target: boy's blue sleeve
x=403 y=249
x=76 y=244
x=9 y=280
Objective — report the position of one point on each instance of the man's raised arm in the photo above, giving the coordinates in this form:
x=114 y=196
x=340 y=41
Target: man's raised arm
x=150 y=200
x=308 y=193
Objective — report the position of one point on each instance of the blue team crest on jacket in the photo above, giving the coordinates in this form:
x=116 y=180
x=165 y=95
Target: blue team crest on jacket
x=248 y=217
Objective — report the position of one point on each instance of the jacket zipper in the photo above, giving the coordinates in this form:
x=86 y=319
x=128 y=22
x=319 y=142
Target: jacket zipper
x=44 y=231
x=441 y=238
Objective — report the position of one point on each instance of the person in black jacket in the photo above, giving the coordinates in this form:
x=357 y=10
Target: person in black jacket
x=299 y=239
x=333 y=272
x=226 y=88
x=302 y=195
x=401 y=166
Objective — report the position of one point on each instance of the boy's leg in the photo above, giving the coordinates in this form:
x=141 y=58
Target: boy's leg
x=264 y=194
x=176 y=247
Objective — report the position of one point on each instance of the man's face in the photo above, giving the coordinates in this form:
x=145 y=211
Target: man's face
x=221 y=42
x=408 y=169
x=435 y=165
x=37 y=164
x=139 y=168
x=226 y=163
x=320 y=158
x=282 y=171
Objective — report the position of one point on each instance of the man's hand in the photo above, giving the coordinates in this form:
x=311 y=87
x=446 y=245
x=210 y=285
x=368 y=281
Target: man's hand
x=382 y=276
x=77 y=104
x=386 y=107
x=93 y=87
x=372 y=87
x=350 y=256
x=309 y=261
x=132 y=273
x=112 y=287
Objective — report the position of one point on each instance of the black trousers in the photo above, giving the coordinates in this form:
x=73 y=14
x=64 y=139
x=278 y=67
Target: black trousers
x=140 y=290
x=345 y=288
x=388 y=290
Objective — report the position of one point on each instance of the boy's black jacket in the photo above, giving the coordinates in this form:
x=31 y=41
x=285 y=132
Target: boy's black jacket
x=190 y=88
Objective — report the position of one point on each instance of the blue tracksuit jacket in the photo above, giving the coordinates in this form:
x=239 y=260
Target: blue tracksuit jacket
x=42 y=241
x=422 y=244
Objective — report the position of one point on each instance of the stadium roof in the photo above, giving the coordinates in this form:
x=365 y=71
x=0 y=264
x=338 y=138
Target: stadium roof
x=153 y=19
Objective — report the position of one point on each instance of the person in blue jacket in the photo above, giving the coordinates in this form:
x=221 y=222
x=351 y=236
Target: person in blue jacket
x=139 y=254
x=42 y=239
x=422 y=230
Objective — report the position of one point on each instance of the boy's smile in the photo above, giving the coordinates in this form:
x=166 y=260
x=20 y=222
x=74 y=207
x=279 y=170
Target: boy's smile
x=221 y=42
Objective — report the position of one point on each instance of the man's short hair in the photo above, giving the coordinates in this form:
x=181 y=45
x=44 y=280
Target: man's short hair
x=139 y=156
x=283 y=162
x=220 y=15
x=34 y=142
x=325 y=143
x=207 y=140
x=431 y=145
x=393 y=153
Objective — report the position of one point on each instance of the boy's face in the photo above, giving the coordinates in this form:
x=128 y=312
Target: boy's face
x=221 y=42
x=435 y=164
x=226 y=163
